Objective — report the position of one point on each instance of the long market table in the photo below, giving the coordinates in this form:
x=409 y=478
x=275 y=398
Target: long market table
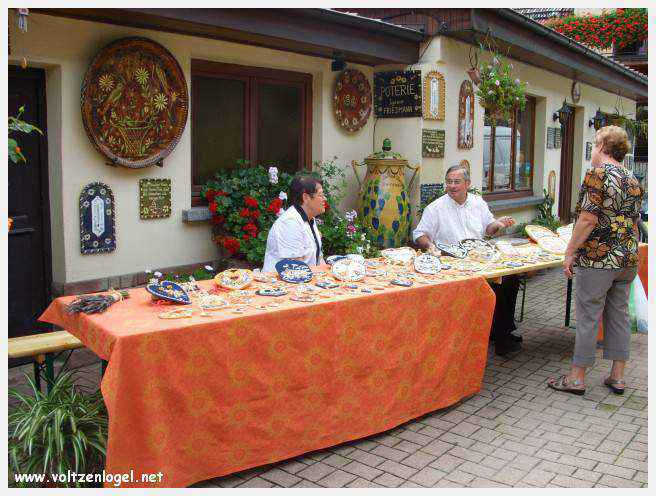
x=203 y=397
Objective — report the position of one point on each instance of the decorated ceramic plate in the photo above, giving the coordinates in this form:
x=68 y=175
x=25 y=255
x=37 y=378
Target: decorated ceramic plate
x=352 y=100
x=349 y=270
x=355 y=257
x=271 y=291
x=294 y=271
x=536 y=232
x=334 y=258
x=427 y=264
x=233 y=278
x=169 y=291
x=478 y=249
x=553 y=244
x=565 y=232
x=506 y=248
x=327 y=285
x=452 y=250
x=403 y=255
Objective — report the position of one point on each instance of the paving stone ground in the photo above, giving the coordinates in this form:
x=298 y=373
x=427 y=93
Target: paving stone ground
x=515 y=432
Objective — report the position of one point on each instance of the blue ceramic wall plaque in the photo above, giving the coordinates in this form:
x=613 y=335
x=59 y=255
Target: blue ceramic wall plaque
x=97 y=219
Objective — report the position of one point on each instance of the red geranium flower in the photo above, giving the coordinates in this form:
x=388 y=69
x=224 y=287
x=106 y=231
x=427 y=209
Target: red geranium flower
x=221 y=193
x=249 y=201
x=275 y=206
x=244 y=213
x=218 y=219
x=255 y=214
x=231 y=244
x=213 y=207
x=326 y=205
x=210 y=194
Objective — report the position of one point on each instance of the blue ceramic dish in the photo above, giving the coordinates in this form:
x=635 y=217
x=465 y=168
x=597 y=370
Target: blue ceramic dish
x=169 y=291
x=294 y=271
x=334 y=258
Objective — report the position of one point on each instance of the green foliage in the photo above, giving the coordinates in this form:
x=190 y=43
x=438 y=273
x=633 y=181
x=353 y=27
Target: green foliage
x=16 y=125
x=497 y=89
x=245 y=203
x=58 y=431
x=545 y=217
x=199 y=274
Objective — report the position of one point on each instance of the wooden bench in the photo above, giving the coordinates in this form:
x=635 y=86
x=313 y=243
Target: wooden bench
x=42 y=348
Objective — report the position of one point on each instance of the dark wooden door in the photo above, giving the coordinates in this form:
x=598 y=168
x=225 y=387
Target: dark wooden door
x=566 y=167
x=29 y=281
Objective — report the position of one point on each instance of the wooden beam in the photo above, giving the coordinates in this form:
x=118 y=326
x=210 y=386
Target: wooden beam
x=307 y=31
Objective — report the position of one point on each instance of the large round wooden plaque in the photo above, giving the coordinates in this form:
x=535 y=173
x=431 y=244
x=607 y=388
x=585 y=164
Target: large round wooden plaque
x=352 y=100
x=134 y=102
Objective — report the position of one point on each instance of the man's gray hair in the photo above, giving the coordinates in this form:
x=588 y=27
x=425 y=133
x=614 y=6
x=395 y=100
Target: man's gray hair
x=453 y=168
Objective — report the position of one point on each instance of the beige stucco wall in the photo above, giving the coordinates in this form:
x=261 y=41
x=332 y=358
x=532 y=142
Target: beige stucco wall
x=65 y=47
x=451 y=58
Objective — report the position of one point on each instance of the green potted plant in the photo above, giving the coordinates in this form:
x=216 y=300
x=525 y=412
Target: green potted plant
x=497 y=89
x=51 y=433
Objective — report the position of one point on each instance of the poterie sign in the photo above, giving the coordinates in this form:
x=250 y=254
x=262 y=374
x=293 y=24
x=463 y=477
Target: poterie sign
x=397 y=94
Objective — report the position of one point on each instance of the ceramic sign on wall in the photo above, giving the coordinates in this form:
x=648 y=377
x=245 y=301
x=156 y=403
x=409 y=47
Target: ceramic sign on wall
x=429 y=191
x=588 y=150
x=551 y=185
x=551 y=137
x=352 y=100
x=154 y=198
x=558 y=137
x=434 y=89
x=134 y=102
x=97 y=219
x=432 y=143
x=466 y=116
x=397 y=94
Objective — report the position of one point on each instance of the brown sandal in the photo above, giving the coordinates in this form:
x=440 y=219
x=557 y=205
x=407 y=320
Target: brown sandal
x=562 y=384
x=615 y=385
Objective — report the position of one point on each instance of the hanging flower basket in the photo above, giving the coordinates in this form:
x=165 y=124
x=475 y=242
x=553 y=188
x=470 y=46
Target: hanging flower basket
x=498 y=90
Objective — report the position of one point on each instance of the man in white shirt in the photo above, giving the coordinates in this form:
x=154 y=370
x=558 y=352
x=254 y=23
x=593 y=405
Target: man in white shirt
x=295 y=233
x=462 y=215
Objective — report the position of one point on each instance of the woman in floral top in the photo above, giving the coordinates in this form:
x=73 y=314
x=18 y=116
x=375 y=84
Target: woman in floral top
x=604 y=247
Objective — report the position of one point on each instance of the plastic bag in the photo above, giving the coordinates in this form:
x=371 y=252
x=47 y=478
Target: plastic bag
x=638 y=307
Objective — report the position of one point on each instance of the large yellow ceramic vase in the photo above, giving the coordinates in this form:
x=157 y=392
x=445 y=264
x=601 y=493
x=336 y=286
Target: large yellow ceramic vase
x=384 y=202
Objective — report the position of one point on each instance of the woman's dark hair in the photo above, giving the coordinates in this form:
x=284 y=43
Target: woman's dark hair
x=302 y=183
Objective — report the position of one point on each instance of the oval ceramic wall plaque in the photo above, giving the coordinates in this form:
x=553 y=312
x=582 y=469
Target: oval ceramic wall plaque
x=352 y=100
x=134 y=102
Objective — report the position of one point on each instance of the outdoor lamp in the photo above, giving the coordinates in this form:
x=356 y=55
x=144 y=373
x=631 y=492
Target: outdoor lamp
x=597 y=121
x=339 y=64
x=561 y=114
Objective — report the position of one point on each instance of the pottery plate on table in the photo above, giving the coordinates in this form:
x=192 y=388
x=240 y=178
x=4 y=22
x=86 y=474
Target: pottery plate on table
x=478 y=249
x=506 y=249
x=169 y=291
x=271 y=291
x=536 y=232
x=454 y=250
x=349 y=270
x=403 y=256
x=427 y=264
x=334 y=258
x=294 y=271
x=565 y=232
x=553 y=244
x=233 y=278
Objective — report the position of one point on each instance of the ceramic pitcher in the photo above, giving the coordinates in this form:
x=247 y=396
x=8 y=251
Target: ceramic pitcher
x=383 y=199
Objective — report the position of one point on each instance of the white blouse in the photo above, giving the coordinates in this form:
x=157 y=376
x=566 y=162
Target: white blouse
x=291 y=237
x=446 y=221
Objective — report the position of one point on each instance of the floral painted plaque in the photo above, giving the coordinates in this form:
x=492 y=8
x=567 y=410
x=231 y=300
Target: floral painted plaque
x=432 y=143
x=434 y=96
x=97 y=219
x=588 y=150
x=154 y=198
x=352 y=100
x=134 y=102
x=466 y=116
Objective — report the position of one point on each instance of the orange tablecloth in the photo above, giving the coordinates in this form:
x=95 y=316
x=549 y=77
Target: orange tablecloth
x=199 y=398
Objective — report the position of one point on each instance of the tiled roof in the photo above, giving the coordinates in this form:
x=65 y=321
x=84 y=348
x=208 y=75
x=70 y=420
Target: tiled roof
x=543 y=14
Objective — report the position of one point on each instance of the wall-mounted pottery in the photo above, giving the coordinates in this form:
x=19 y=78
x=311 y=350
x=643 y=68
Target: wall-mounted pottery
x=169 y=291
x=430 y=192
x=352 y=100
x=432 y=143
x=551 y=185
x=97 y=219
x=397 y=94
x=434 y=89
x=588 y=150
x=154 y=198
x=134 y=102
x=466 y=115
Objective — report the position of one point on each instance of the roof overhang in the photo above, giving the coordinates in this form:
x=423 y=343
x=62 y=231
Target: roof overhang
x=316 y=32
x=539 y=46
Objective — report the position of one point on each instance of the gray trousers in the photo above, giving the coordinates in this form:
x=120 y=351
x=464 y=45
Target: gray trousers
x=602 y=293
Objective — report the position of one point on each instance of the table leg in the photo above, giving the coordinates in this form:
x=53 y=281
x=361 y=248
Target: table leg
x=50 y=371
